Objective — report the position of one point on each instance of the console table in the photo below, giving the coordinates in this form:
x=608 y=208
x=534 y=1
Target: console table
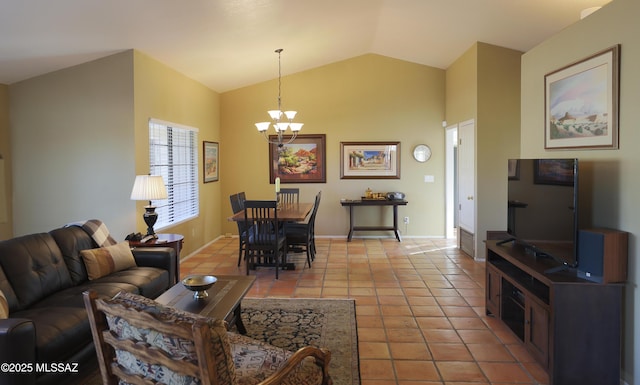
x=373 y=202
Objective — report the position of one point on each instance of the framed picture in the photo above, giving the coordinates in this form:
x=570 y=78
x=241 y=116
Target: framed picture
x=369 y=160
x=553 y=171
x=210 y=156
x=301 y=161
x=581 y=103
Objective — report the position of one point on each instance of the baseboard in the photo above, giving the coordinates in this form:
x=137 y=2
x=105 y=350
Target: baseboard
x=202 y=247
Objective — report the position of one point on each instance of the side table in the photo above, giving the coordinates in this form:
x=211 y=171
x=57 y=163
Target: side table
x=165 y=240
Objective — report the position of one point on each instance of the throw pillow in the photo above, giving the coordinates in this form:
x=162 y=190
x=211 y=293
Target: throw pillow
x=4 y=306
x=106 y=260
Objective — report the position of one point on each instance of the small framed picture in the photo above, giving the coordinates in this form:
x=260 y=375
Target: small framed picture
x=210 y=165
x=370 y=160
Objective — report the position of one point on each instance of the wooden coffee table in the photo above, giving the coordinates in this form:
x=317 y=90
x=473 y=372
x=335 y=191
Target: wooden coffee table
x=223 y=301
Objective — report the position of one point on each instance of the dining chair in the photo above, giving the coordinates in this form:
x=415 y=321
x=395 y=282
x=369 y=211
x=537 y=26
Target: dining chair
x=265 y=242
x=289 y=195
x=301 y=235
x=237 y=205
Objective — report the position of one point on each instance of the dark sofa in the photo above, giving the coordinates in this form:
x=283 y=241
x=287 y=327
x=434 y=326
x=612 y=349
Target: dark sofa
x=43 y=277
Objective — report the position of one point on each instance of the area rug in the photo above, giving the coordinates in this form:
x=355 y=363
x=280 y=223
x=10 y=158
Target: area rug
x=294 y=323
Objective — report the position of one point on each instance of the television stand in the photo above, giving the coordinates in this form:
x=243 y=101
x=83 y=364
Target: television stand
x=557 y=269
x=569 y=325
x=504 y=241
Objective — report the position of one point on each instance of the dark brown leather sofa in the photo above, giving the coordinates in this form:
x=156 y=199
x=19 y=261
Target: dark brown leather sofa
x=43 y=277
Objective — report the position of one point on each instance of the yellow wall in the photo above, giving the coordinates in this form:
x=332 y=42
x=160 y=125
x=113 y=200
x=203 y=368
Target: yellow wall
x=163 y=93
x=462 y=87
x=497 y=135
x=77 y=157
x=5 y=165
x=366 y=98
x=483 y=84
x=611 y=175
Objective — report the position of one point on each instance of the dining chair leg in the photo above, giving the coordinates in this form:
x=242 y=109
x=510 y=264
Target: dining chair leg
x=240 y=255
x=309 y=251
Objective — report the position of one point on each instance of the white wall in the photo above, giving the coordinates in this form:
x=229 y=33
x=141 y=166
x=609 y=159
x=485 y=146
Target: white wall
x=613 y=175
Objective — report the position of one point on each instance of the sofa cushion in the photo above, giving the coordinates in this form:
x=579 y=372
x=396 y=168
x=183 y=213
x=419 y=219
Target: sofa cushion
x=172 y=345
x=103 y=261
x=34 y=268
x=149 y=281
x=61 y=331
x=4 y=306
x=71 y=240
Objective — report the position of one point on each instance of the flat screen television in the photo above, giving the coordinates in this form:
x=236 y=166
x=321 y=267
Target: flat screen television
x=543 y=207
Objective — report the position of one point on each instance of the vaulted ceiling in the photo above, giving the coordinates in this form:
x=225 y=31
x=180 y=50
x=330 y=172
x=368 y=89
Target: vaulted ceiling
x=227 y=44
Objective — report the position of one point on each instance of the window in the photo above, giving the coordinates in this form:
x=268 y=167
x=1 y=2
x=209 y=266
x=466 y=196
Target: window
x=173 y=153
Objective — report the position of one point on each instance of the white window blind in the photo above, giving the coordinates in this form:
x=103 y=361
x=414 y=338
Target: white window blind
x=173 y=153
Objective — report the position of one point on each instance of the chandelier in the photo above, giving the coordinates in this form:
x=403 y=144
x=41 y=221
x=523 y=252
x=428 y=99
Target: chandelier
x=280 y=120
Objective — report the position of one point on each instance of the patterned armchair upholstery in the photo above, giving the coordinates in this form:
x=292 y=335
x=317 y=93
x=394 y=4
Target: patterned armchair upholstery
x=136 y=338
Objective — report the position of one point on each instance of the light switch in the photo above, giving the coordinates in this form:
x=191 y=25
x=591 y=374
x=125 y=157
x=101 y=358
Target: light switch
x=429 y=179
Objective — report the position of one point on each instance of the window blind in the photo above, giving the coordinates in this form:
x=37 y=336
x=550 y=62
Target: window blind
x=173 y=154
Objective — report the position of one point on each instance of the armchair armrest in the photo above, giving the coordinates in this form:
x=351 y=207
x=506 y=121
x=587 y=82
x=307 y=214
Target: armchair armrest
x=322 y=358
x=17 y=345
x=161 y=257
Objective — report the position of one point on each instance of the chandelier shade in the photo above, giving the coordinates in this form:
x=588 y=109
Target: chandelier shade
x=281 y=121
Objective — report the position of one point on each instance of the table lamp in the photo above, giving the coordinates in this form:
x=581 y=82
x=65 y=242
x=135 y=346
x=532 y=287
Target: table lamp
x=148 y=188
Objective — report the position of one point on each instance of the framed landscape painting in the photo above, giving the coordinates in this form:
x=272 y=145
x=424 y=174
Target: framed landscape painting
x=370 y=160
x=581 y=103
x=301 y=161
x=210 y=161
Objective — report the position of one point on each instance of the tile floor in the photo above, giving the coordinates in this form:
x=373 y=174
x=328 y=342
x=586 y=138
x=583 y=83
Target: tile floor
x=419 y=306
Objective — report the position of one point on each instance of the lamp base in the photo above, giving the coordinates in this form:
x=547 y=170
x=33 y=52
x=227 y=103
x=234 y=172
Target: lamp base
x=150 y=217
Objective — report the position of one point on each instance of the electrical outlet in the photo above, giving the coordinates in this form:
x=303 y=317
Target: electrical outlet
x=406 y=220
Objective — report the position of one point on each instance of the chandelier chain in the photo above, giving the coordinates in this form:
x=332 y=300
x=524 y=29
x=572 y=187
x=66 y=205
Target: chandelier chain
x=277 y=115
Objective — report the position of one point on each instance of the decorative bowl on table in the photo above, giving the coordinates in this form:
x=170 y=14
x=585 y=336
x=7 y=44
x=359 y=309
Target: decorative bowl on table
x=199 y=284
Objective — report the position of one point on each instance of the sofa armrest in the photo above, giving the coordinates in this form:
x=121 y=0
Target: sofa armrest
x=17 y=345
x=161 y=257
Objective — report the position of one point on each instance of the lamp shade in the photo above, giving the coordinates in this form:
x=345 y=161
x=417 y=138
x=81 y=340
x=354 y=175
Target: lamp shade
x=148 y=187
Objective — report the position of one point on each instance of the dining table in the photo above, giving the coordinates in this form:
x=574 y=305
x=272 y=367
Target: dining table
x=287 y=212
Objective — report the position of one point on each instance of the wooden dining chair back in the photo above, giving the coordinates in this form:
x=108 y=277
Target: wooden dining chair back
x=301 y=235
x=237 y=205
x=289 y=195
x=264 y=238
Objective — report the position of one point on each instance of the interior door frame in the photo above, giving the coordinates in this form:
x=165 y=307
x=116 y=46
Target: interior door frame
x=451 y=180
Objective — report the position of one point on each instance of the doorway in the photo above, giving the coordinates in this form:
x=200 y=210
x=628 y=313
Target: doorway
x=451 y=186
x=460 y=185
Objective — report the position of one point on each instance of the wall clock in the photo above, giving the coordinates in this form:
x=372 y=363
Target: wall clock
x=422 y=153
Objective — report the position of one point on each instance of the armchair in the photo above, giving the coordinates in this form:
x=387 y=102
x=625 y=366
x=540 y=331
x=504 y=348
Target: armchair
x=140 y=341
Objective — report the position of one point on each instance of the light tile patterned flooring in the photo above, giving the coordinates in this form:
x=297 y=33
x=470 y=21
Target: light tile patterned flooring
x=419 y=307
